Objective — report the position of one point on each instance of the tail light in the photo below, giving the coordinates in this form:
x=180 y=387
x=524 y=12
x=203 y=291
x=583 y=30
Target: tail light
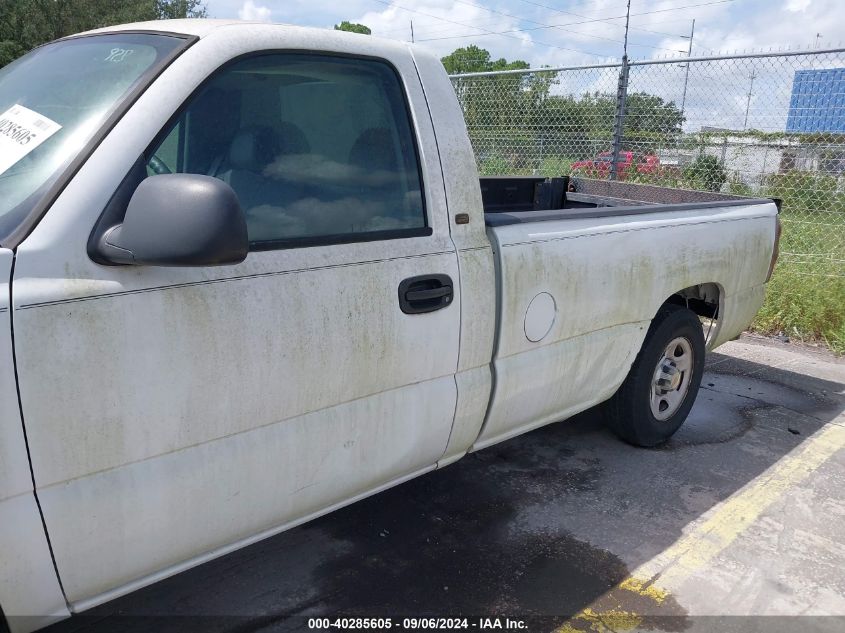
x=776 y=249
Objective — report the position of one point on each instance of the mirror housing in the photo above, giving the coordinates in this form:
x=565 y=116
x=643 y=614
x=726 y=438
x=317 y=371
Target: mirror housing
x=178 y=220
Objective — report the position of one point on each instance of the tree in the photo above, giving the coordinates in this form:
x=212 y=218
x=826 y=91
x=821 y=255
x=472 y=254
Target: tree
x=566 y=125
x=473 y=59
x=25 y=24
x=650 y=121
x=499 y=110
x=174 y=9
x=352 y=27
x=517 y=116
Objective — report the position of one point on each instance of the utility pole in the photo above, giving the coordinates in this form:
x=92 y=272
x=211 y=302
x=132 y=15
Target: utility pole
x=627 y=21
x=412 y=31
x=748 y=102
x=686 y=74
x=818 y=37
x=621 y=97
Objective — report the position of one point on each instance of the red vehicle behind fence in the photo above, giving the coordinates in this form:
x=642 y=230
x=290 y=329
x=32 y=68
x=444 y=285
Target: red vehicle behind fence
x=599 y=167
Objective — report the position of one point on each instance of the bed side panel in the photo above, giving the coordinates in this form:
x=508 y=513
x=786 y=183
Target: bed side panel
x=608 y=277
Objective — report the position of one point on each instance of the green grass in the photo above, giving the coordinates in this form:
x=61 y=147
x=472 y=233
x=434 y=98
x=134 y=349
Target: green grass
x=494 y=166
x=808 y=307
x=806 y=297
x=555 y=166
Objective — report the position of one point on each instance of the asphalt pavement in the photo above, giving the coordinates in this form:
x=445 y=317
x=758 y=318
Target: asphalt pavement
x=739 y=518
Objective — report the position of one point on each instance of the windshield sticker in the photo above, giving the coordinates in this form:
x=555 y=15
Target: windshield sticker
x=21 y=131
x=117 y=55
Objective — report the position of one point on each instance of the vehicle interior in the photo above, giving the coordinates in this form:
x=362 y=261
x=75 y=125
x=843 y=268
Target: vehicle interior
x=312 y=147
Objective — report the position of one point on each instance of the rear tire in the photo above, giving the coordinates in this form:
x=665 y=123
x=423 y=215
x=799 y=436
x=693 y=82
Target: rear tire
x=656 y=397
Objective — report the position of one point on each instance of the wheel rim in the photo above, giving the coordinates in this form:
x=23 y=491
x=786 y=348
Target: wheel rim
x=671 y=380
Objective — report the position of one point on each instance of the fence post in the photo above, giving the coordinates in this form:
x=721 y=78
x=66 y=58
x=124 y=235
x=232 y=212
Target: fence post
x=619 y=119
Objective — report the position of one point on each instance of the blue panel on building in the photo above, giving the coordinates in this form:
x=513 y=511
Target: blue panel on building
x=818 y=101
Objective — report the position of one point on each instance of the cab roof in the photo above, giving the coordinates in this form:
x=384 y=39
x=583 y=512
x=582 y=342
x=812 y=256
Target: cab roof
x=192 y=26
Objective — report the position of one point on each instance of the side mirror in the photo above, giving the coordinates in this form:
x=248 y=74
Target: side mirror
x=178 y=220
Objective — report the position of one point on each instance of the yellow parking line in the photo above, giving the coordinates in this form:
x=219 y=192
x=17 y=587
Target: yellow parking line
x=708 y=536
x=728 y=520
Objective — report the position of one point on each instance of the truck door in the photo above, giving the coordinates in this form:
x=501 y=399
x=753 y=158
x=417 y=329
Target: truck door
x=174 y=412
x=28 y=583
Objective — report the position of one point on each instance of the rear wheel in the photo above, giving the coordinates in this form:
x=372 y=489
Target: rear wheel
x=656 y=397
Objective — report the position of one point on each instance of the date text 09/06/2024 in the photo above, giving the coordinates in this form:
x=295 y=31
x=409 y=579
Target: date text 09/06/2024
x=430 y=623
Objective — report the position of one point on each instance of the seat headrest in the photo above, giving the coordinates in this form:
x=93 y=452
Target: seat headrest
x=255 y=147
x=373 y=149
x=293 y=139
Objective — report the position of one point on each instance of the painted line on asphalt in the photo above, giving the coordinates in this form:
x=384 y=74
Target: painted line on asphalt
x=710 y=535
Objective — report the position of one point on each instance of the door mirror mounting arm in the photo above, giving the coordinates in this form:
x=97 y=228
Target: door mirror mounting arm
x=109 y=246
x=177 y=220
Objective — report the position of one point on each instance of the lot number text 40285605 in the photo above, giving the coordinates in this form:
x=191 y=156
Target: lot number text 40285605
x=425 y=623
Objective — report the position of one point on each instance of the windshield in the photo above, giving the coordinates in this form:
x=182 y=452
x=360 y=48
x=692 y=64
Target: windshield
x=54 y=100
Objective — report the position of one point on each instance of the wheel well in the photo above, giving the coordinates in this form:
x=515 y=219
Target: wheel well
x=703 y=299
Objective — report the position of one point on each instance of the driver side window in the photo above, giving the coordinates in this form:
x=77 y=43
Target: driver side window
x=318 y=148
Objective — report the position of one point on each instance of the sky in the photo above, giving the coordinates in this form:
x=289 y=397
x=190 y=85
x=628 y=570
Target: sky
x=567 y=32
x=736 y=94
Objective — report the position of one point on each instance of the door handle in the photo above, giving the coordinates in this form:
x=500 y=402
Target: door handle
x=425 y=293
x=415 y=296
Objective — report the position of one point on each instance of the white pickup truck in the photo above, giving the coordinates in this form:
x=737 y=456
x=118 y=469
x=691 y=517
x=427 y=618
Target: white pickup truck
x=248 y=275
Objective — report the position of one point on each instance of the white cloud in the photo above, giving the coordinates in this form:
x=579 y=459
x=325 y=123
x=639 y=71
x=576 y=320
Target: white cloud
x=797 y=5
x=504 y=29
x=435 y=19
x=580 y=33
x=252 y=11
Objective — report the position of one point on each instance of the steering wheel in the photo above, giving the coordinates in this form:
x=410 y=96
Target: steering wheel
x=158 y=166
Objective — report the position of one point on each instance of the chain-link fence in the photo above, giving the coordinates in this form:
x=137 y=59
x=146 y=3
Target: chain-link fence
x=762 y=125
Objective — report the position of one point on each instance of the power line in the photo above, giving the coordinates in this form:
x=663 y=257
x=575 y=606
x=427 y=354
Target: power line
x=619 y=17
x=587 y=21
x=436 y=17
x=486 y=32
x=598 y=37
x=606 y=20
x=538 y=28
x=433 y=26
x=638 y=1
x=484 y=22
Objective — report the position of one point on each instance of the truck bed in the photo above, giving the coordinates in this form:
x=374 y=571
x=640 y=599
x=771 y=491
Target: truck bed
x=602 y=259
x=524 y=199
